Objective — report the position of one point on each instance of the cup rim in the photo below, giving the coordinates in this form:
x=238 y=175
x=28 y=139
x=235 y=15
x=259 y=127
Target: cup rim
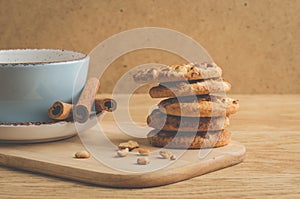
x=77 y=56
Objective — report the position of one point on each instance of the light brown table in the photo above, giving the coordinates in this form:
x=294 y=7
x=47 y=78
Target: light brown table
x=269 y=127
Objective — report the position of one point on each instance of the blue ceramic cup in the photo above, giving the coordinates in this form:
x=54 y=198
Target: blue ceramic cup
x=31 y=80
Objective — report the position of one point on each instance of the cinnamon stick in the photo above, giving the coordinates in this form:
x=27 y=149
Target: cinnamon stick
x=82 y=109
x=60 y=110
x=105 y=104
x=63 y=111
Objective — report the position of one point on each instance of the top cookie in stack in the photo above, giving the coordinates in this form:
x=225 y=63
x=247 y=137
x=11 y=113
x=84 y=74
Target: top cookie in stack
x=195 y=113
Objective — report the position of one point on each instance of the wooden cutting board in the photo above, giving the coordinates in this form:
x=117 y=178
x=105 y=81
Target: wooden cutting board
x=57 y=159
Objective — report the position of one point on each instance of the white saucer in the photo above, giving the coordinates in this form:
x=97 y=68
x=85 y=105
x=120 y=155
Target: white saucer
x=36 y=132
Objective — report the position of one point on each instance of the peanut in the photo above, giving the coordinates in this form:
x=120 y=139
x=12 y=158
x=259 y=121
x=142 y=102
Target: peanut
x=143 y=161
x=173 y=157
x=123 y=152
x=130 y=145
x=82 y=154
x=165 y=154
x=144 y=152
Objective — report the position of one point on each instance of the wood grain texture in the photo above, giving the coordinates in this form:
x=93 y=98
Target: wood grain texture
x=255 y=42
x=57 y=158
x=268 y=125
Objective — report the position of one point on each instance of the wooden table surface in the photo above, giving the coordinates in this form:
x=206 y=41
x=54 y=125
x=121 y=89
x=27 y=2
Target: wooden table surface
x=269 y=127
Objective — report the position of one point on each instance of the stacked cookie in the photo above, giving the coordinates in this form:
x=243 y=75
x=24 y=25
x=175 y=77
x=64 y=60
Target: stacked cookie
x=195 y=113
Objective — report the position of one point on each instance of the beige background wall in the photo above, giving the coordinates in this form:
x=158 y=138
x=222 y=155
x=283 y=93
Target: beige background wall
x=256 y=42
